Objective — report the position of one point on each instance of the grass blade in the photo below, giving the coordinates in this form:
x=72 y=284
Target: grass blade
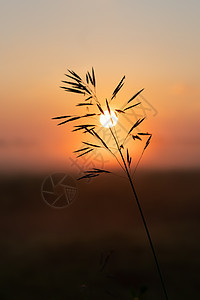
x=79 y=150
x=69 y=120
x=89 y=115
x=88 y=98
x=73 y=78
x=108 y=107
x=99 y=107
x=119 y=86
x=88 y=176
x=78 y=86
x=85 y=153
x=102 y=141
x=72 y=90
x=135 y=95
x=61 y=117
x=119 y=111
x=93 y=77
x=82 y=127
x=136 y=124
x=132 y=106
x=101 y=170
x=136 y=137
x=146 y=133
x=74 y=74
x=90 y=78
x=92 y=145
x=87 y=79
x=83 y=104
x=128 y=158
x=148 y=141
x=127 y=155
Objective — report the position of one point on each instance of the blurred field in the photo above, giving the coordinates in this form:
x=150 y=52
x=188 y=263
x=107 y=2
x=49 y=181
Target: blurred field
x=55 y=254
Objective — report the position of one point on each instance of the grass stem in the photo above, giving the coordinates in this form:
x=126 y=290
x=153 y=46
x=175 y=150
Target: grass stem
x=142 y=215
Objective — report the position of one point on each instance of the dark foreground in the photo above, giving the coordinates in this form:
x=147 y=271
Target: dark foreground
x=97 y=248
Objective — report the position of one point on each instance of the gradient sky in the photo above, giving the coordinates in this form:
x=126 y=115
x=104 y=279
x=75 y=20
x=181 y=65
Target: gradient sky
x=154 y=43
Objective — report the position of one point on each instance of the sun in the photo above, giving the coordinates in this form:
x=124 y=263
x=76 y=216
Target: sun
x=108 y=119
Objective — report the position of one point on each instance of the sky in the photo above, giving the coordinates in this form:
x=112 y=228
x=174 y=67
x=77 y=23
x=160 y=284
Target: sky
x=154 y=43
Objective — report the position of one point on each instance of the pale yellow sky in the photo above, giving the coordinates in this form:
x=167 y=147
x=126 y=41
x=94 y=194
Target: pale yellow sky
x=154 y=43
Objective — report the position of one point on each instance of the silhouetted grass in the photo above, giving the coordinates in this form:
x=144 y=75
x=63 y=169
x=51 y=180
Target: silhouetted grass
x=88 y=89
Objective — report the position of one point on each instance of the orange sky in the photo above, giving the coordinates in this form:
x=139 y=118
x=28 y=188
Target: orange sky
x=155 y=44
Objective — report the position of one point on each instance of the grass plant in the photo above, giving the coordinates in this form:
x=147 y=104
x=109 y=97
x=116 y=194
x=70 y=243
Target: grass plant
x=89 y=124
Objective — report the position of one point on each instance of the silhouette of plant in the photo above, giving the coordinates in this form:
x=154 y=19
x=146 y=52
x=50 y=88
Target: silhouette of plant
x=109 y=118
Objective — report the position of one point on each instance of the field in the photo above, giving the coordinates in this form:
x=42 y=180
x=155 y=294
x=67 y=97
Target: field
x=97 y=248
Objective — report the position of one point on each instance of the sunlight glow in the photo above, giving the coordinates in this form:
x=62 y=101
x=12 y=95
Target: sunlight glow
x=108 y=120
